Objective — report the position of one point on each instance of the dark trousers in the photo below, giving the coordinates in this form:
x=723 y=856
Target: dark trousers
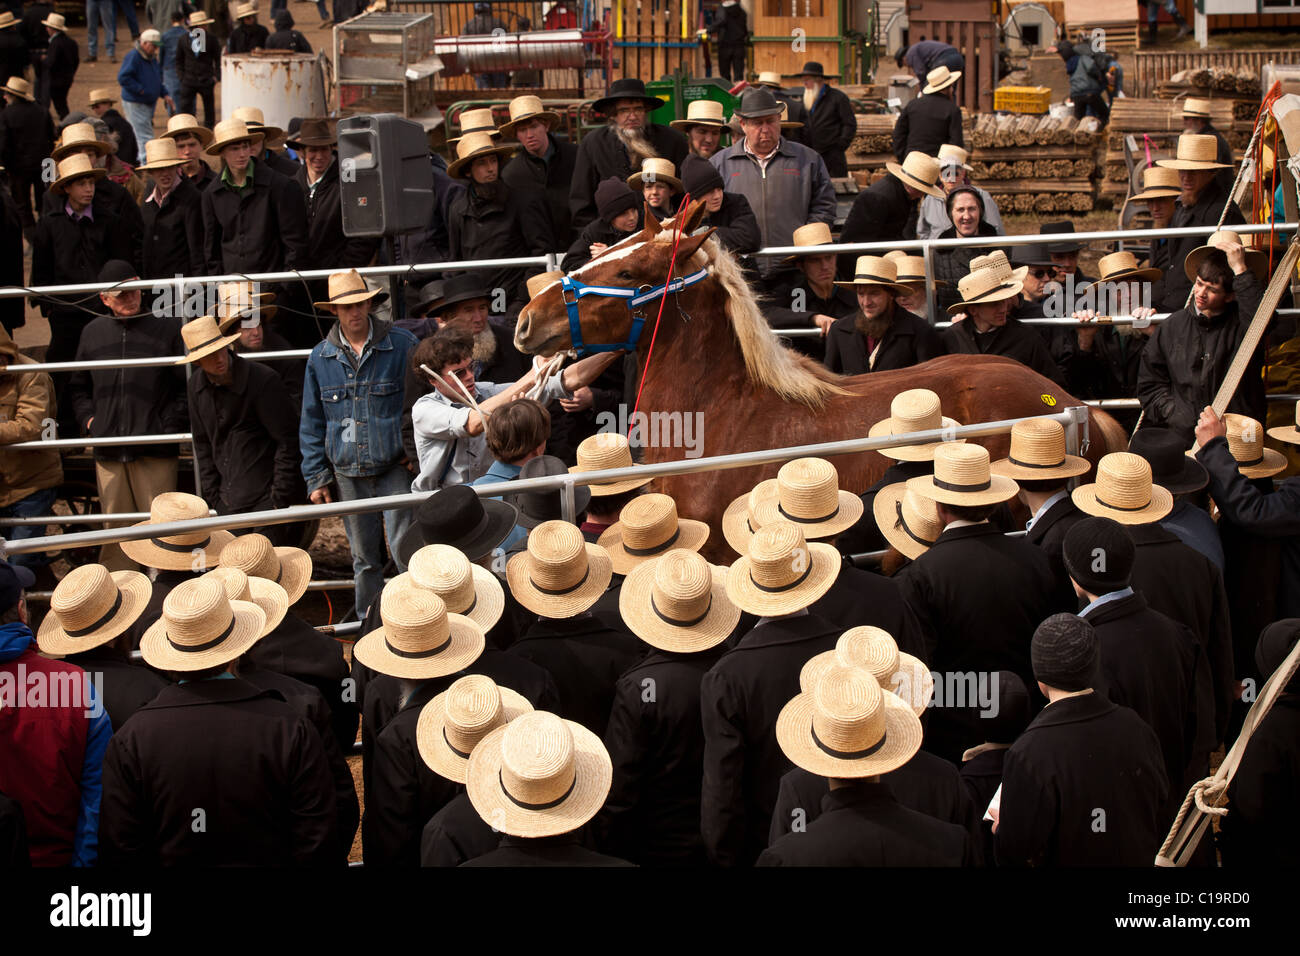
x=836 y=163
x=953 y=60
x=185 y=103
x=731 y=61
x=59 y=97
x=22 y=184
x=1091 y=103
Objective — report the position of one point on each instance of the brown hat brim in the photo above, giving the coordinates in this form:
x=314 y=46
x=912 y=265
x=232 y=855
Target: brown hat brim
x=456 y=168
x=59 y=184
x=215 y=147
x=549 y=117
x=216 y=345
x=1274 y=462
x=636 y=181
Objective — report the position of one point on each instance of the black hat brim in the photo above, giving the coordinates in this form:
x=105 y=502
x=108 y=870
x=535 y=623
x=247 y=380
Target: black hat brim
x=581 y=498
x=502 y=518
x=605 y=105
x=1191 y=477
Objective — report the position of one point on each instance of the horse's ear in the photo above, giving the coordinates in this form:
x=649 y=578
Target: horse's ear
x=689 y=245
x=693 y=216
x=651 y=221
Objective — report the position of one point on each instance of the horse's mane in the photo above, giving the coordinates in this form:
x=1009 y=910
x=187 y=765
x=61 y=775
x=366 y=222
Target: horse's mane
x=769 y=364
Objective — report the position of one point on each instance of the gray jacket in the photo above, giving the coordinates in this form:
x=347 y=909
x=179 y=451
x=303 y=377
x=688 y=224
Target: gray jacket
x=933 y=216
x=793 y=191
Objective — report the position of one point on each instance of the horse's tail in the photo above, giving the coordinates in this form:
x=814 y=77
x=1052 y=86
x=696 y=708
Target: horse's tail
x=1106 y=434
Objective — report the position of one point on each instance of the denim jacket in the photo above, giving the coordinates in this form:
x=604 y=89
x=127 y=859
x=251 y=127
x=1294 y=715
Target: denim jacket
x=352 y=409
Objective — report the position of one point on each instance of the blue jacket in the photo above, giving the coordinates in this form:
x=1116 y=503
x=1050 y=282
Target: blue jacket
x=352 y=413
x=141 y=79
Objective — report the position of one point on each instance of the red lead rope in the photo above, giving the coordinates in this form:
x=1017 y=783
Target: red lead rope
x=672 y=264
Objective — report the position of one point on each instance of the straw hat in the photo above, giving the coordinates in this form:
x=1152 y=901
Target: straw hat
x=466 y=588
x=560 y=574
x=477 y=121
x=1256 y=261
x=346 y=288
x=160 y=153
x=76 y=167
x=786 y=122
x=1288 y=433
x=981 y=287
x=190 y=551
x=678 y=603
x=456 y=721
x=962 y=476
x=419 y=640
x=255 y=556
x=55 y=21
x=648 y=527
x=808 y=493
x=7 y=19
x=602 y=452
x=77 y=137
x=199 y=19
x=909 y=522
x=995 y=263
x=538 y=776
x=950 y=155
x=739 y=522
x=655 y=170
x=781 y=573
x=1123 y=491
x=920 y=171
x=255 y=119
x=847 y=727
x=877 y=271
x=237 y=301
x=19 y=87
x=233 y=131
x=876 y=651
x=90 y=607
x=522 y=110
x=1159 y=183
x=1196 y=107
x=813 y=234
x=103 y=94
x=915 y=410
x=245 y=10
x=200 y=628
x=538 y=283
x=701 y=113
x=769 y=78
x=1038 y=453
x=470 y=147
x=1123 y=267
x=1195 y=151
x=910 y=269
x=267 y=595
x=940 y=78
x=1246 y=442
x=187 y=124
x=203 y=337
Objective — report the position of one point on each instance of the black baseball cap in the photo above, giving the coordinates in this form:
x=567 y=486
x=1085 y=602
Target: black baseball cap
x=14 y=579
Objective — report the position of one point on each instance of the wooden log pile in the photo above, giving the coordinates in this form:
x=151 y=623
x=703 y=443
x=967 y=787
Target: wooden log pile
x=875 y=134
x=1210 y=81
x=1035 y=164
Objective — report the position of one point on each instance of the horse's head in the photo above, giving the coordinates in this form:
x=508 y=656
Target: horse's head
x=637 y=264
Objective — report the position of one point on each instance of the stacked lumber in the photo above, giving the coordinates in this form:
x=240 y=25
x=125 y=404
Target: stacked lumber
x=1120 y=34
x=1003 y=130
x=875 y=134
x=1132 y=115
x=1210 y=81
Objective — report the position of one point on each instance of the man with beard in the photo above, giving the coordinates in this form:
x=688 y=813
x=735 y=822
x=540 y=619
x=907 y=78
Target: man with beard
x=619 y=148
x=544 y=164
x=830 y=126
x=880 y=336
x=491 y=221
x=464 y=305
x=703 y=127
x=808 y=296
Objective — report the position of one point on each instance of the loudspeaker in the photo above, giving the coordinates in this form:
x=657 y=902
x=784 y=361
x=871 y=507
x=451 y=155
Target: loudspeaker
x=385 y=175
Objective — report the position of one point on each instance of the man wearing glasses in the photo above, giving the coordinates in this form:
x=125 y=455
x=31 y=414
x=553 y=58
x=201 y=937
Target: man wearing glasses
x=620 y=147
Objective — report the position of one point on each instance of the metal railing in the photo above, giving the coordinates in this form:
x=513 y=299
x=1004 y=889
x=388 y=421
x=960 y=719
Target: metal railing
x=1072 y=419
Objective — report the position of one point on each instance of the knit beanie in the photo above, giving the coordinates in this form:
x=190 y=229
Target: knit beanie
x=1064 y=653
x=614 y=196
x=1011 y=717
x=1099 y=554
x=699 y=176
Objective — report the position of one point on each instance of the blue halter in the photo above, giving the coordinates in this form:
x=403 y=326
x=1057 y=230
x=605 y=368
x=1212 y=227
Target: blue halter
x=636 y=298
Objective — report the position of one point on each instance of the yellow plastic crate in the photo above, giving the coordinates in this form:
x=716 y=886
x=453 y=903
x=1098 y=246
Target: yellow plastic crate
x=1022 y=99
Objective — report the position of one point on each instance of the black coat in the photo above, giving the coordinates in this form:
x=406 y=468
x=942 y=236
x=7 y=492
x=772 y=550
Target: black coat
x=926 y=784
x=123 y=222
x=280 y=162
x=1049 y=532
x=1107 y=370
x=563 y=850
x=128 y=150
x=291 y=372
x=926 y=123
x=245 y=439
x=274 y=805
x=740 y=699
x=830 y=127
x=130 y=400
x=586 y=659
x=981 y=775
x=173 y=233
x=865 y=825
x=13 y=51
x=860 y=597
x=1183 y=584
x=1209 y=206
x=1155 y=666
x=1015 y=341
x=327 y=246
x=1268 y=516
x=527 y=173
x=13 y=312
x=1187 y=359
x=246 y=39
x=291 y=40
x=954 y=264
x=198 y=71
x=1082 y=757
x=656 y=741
x=882 y=212
x=61 y=61
x=123 y=687
x=1260 y=829
x=307 y=702
x=736 y=225
x=981 y=595
x=910 y=340
x=511 y=225
x=791 y=289
x=456 y=833
x=598 y=230
x=262 y=230
x=601 y=155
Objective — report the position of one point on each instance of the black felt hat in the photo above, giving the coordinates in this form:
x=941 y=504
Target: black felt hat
x=1171 y=469
x=458 y=517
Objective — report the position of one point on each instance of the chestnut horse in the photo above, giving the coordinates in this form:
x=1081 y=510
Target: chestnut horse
x=716 y=354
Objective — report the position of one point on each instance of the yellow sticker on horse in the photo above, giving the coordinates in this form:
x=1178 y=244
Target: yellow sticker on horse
x=1048 y=400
